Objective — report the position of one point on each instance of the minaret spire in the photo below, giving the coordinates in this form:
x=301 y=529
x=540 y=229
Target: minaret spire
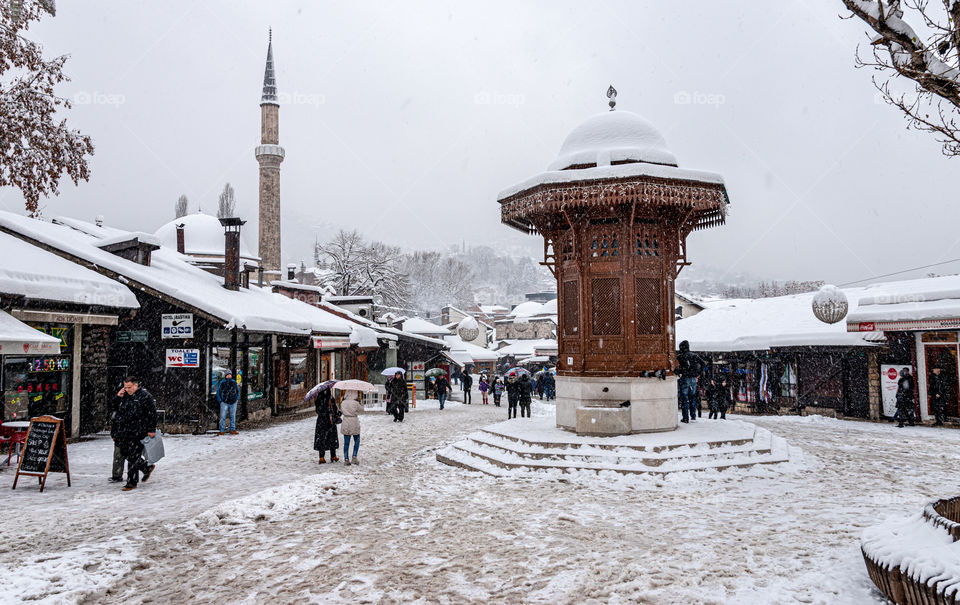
x=269 y=78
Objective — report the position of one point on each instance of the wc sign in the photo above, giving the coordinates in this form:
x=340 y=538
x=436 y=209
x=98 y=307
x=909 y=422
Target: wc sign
x=183 y=358
x=176 y=325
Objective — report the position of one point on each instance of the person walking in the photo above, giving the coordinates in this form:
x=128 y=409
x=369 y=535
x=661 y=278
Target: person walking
x=136 y=418
x=905 y=397
x=689 y=367
x=513 y=396
x=550 y=386
x=484 y=387
x=525 y=392
x=325 y=433
x=540 y=386
x=397 y=394
x=718 y=397
x=118 y=459
x=228 y=394
x=497 y=391
x=443 y=390
x=938 y=394
x=351 y=407
x=467 y=381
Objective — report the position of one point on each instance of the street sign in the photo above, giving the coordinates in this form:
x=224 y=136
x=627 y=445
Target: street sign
x=183 y=358
x=132 y=336
x=176 y=325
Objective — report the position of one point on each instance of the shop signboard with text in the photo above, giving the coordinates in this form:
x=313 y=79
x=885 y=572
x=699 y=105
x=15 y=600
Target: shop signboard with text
x=176 y=325
x=183 y=358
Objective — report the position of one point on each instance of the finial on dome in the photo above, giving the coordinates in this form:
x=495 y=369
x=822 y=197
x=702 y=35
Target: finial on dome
x=612 y=95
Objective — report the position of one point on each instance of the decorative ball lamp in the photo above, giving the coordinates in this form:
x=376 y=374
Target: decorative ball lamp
x=468 y=329
x=615 y=211
x=830 y=304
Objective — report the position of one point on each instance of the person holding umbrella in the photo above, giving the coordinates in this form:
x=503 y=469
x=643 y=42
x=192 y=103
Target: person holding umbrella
x=351 y=408
x=397 y=396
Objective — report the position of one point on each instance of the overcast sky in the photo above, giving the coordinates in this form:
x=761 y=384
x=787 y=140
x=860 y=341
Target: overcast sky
x=405 y=119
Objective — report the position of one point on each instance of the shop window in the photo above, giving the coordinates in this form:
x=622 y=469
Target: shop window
x=788 y=380
x=254 y=377
x=219 y=366
x=298 y=369
x=36 y=386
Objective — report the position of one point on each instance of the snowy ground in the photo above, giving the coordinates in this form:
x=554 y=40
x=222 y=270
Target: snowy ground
x=254 y=518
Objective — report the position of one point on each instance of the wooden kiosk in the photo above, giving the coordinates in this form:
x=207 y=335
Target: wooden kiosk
x=615 y=212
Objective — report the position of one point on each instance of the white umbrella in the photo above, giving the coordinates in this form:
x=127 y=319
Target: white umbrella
x=355 y=385
x=392 y=371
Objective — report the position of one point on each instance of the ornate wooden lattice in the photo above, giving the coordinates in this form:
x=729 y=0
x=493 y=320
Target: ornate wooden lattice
x=605 y=242
x=605 y=306
x=647 y=243
x=648 y=303
x=571 y=308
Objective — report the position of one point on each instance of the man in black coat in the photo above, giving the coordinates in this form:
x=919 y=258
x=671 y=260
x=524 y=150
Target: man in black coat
x=938 y=393
x=467 y=381
x=525 y=391
x=136 y=418
x=513 y=396
x=905 y=397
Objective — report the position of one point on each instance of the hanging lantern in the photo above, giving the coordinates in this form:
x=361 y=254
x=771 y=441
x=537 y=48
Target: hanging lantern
x=468 y=329
x=830 y=304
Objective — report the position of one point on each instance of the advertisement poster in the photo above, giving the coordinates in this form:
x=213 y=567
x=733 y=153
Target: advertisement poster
x=183 y=358
x=176 y=325
x=889 y=375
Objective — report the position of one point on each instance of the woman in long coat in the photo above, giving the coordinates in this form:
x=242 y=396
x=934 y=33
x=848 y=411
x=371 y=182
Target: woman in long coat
x=397 y=392
x=351 y=408
x=325 y=435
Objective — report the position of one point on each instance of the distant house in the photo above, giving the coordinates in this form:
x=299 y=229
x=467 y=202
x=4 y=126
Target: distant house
x=685 y=306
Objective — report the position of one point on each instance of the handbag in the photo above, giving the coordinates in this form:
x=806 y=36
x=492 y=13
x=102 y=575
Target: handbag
x=153 y=448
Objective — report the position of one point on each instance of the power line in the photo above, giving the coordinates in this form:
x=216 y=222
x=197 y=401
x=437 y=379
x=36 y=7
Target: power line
x=900 y=272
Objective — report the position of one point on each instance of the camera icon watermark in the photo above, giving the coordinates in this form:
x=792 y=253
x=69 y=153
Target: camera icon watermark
x=96 y=97
x=508 y=99
x=301 y=98
x=683 y=97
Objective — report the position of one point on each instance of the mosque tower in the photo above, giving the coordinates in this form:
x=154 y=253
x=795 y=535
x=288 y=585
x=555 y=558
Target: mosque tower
x=269 y=155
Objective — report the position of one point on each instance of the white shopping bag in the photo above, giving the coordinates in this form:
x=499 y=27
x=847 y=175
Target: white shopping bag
x=153 y=448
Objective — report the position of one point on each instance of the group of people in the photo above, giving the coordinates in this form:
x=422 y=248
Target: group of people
x=329 y=416
x=938 y=391
x=689 y=369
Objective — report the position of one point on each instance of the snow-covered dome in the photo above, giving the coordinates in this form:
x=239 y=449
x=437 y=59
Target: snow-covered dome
x=527 y=309
x=550 y=307
x=202 y=236
x=613 y=137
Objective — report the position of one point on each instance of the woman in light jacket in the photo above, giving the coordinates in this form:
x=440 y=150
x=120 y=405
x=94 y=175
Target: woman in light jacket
x=351 y=407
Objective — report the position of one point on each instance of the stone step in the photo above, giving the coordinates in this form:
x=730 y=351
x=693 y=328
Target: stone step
x=498 y=461
x=616 y=455
x=642 y=448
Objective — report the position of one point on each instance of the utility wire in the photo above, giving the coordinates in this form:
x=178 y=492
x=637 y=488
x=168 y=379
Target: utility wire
x=899 y=272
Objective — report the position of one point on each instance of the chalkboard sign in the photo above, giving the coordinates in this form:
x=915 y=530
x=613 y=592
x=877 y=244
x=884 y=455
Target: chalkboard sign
x=45 y=451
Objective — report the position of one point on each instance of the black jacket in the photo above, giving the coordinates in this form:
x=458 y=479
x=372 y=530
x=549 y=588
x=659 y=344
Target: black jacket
x=441 y=386
x=467 y=380
x=136 y=416
x=397 y=390
x=937 y=387
x=689 y=365
x=524 y=388
x=513 y=392
x=718 y=396
x=905 y=391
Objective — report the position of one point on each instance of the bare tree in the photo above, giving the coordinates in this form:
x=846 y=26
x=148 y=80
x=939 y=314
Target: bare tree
x=356 y=268
x=930 y=60
x=227 y=206
x=181 y=207
x=35 y=148
x=437 y=280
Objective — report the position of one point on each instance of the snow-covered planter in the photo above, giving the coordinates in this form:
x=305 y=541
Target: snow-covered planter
x=917 y=559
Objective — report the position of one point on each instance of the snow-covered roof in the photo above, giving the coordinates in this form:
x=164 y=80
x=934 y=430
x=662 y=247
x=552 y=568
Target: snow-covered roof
x=364 y=337
x=36 y=273
x=252 y=309
x=525 y=348
x=202 y=236
x=422 y=326
x=528 y=309
x=931 y=298
x=613 y=136
x=385 y=333
x=18 y=337
x=475 y=353
x=764 y=323
x=493 y=309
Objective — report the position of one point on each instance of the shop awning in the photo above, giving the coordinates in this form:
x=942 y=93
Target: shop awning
x=17 y=338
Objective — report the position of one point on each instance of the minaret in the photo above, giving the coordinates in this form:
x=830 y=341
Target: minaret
x=269 y=155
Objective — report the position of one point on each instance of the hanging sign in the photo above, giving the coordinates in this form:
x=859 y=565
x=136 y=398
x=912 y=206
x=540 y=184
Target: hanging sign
x=44 y=451
x=176 y=325
x=132 y=336
x=327 y=343
x=183 y=358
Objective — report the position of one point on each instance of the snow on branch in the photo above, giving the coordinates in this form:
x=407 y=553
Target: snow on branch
x=931 y=60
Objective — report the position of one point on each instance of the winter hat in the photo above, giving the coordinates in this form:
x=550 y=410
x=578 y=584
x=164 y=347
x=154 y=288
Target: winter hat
x=684 y=346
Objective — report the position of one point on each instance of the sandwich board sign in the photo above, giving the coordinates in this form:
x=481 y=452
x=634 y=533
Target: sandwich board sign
x=176 y=325
x=45 y=451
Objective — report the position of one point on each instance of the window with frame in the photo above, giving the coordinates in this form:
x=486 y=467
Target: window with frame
x=604 y=243
x=647 y=243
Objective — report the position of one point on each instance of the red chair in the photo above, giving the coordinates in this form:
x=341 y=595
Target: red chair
x=12 y=437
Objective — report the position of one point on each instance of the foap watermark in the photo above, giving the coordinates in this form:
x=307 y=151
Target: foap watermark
x=509 y=99
x=696 y=97
x=99 y=98
x=301 y=98
x=105 y=299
